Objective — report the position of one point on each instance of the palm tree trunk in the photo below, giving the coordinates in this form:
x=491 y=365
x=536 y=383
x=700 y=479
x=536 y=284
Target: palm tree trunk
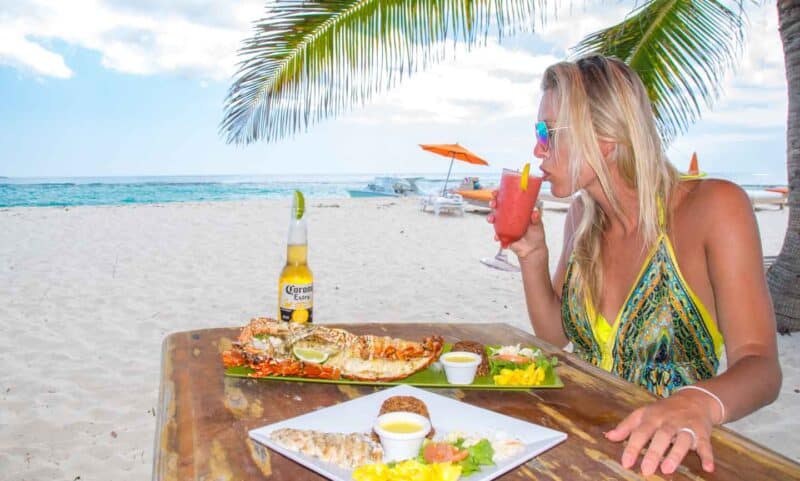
x=784 y=275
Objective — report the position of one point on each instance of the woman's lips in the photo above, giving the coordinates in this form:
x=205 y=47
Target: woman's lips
x=545 y=175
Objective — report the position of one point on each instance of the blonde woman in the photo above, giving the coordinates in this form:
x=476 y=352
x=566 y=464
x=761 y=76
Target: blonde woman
x=657 y=275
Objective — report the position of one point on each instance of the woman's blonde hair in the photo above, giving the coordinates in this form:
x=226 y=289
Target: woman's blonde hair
x=601 y=98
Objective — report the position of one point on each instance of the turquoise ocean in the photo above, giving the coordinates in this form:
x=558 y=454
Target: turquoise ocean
x=75 y=191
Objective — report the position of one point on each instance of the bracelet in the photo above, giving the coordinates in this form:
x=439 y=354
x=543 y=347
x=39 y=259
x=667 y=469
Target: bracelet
x=716 y=398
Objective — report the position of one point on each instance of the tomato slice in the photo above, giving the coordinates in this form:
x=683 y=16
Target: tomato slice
x=459 y=455
x=435 y=453
x=443 y=453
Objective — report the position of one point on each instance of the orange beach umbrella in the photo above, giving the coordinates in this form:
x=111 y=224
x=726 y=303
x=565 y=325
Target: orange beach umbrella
x=455 y=152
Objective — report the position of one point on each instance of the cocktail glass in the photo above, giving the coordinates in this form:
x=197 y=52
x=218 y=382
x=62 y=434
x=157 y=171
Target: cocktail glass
x=512 y=214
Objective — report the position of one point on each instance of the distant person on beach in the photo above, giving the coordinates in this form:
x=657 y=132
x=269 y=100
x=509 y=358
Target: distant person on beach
x=657 y=275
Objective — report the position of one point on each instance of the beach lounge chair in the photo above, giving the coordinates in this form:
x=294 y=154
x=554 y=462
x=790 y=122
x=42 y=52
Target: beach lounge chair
x=771 y=196
x=444 y=203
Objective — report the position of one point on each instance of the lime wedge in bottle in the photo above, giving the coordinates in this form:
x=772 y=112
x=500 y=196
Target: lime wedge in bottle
x=523 y=180
x=310 y=355
x=298 y=205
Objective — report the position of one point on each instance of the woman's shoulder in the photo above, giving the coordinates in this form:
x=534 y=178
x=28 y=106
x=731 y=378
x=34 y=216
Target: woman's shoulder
x=711 y=201
x=712 y=193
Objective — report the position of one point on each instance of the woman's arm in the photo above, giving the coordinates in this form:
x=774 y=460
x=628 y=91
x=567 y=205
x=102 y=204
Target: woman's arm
x=744 y=307
x=543 y=294
x=747 y=321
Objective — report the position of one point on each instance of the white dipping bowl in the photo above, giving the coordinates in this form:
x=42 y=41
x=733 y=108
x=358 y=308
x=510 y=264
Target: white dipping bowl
x=460 y=366
x=397 y=445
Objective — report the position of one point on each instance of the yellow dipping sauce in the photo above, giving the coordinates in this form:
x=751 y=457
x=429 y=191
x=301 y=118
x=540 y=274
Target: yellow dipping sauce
x=401 y=427
x=457 y=358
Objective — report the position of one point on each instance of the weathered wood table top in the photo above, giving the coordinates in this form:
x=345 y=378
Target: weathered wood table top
x=204 y=416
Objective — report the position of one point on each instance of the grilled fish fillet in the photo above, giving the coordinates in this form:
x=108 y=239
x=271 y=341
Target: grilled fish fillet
x=345 y=450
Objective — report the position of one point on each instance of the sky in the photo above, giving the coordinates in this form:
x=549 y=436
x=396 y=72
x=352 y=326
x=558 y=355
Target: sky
x=136 y=87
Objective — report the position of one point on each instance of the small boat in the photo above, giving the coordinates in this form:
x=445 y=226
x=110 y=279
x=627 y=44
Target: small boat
x=371 y=193
x=389 y=187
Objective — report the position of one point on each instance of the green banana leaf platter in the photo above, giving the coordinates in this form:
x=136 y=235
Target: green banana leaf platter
x=431 y=377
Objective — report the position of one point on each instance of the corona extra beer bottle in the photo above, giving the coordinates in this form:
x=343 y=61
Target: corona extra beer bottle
x=296 y=283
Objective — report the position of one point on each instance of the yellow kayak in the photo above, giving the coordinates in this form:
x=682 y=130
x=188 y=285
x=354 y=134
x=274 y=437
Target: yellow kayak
x=477 y=196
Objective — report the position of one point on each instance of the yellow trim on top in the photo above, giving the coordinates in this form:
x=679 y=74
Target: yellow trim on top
x=605 y=333
x=708 y=319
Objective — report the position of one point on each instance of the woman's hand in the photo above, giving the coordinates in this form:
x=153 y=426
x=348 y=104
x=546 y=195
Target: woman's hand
x=532 y=245
x=666 y=422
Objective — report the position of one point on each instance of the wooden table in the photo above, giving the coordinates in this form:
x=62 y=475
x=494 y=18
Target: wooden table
x=203 y=416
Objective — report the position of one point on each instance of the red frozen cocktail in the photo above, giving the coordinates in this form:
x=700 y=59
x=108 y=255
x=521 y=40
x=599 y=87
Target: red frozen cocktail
x=512 y=214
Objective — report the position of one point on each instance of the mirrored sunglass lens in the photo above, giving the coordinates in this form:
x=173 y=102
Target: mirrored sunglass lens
x=541 y=132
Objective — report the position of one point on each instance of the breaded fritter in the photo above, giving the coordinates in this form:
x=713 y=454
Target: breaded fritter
x=475 y=348
x=408 y=404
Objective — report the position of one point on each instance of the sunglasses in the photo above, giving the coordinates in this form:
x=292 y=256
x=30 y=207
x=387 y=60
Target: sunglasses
x=543 y=133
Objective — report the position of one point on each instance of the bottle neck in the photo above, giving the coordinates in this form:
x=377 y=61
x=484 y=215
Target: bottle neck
x=297 y=243
x=296 y=255
x=298 y=232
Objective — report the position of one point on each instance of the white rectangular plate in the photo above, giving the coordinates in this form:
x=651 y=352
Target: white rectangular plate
x=447 y=415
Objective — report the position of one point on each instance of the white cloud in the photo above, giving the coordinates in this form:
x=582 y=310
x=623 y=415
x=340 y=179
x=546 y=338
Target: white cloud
x=183 y=38
x=492 y=82
x=754 y=95
x=498 y=82
x=750 y=108
x=710 y=140
x=762 y=62
x=19 y=52
x=571 y=24
x=200 y=38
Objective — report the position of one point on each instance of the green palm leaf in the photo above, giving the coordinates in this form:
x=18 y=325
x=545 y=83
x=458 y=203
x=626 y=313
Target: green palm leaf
x=309 y=60
x=680 y=49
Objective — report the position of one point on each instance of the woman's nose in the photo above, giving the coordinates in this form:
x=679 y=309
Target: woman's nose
x=539 y=151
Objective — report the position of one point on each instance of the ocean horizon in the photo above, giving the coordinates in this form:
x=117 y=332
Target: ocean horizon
x=128 y=190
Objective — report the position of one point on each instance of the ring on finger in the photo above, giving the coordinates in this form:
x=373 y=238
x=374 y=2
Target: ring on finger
x=692 y=434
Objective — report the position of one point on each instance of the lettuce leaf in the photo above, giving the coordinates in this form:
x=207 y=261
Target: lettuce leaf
x=497 y=365
x=479 y=454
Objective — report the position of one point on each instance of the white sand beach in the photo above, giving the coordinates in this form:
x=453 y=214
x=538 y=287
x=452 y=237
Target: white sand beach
x=87 y=294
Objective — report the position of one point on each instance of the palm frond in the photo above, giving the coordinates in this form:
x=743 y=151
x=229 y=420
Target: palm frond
x=311 y=59
x=681 y=49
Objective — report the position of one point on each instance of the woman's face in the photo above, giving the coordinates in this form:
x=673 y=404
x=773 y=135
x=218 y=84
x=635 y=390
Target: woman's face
x=555 y=159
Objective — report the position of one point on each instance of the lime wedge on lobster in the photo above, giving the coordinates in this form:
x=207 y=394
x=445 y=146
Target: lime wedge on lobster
x=523 y=180
x=310 y=355
x=299 y=205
